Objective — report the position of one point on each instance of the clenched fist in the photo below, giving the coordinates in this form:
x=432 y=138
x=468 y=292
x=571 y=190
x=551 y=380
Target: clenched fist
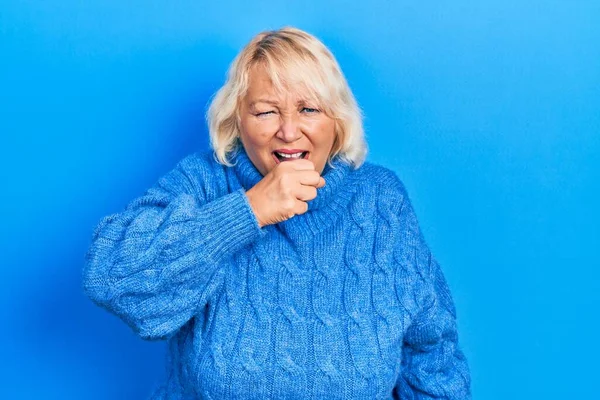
x=284 y=191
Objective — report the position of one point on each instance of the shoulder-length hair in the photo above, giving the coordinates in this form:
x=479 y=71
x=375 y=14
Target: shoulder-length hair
x=298 y=62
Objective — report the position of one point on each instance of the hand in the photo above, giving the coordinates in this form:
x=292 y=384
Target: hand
x=284 y=191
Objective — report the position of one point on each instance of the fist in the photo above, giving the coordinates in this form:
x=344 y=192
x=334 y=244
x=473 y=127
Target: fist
x=284 y=191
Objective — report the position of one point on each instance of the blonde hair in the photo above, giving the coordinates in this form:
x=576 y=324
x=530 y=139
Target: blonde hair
x=294 y=60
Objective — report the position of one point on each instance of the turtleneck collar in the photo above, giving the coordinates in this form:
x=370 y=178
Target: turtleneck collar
x=331 y=199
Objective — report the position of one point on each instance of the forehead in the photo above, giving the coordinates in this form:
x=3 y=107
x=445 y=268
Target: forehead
x=261 y=87
x=259 y=82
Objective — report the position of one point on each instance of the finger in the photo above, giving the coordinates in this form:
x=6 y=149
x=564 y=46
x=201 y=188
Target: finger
x=310 y=178
x=321 y=182
x=301 y=207
x=306 y=193
x=301 y=165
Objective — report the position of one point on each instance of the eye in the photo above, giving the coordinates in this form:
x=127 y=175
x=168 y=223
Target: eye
x=264 y=113
x=310 y=110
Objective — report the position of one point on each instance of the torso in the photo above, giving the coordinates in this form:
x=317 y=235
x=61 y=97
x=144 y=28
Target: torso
x=321 y=312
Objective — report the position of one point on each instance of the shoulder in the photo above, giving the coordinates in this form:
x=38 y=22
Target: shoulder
x=198 y=161
x=383 y=183
x=391 y=201
x=193 y=173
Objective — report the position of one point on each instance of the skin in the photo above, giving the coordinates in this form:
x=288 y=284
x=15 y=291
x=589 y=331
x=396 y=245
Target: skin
x=268 y=123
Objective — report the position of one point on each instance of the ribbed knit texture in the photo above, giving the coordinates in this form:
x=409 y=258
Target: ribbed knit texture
x=342 y=302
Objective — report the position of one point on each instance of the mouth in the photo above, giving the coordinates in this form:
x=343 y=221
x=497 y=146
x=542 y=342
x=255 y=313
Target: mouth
x=289 y=155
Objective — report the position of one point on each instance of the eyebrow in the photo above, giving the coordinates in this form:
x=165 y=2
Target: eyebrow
x=268 y=101
x=275 y=102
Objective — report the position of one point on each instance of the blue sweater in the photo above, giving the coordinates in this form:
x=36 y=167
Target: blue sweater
x=342 y=302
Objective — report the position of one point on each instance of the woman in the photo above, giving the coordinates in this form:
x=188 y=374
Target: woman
x=280 y=264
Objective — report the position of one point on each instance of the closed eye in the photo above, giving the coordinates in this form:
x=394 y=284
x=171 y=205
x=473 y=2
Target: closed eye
x=264 y=113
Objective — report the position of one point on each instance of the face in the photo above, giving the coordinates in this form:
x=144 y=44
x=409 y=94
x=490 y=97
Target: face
x=276 y=129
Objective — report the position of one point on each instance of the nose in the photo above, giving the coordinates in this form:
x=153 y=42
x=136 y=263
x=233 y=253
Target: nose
x=289 y=129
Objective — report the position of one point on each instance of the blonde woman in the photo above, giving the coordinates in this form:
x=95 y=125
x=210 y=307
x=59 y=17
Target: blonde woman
x=280 y=264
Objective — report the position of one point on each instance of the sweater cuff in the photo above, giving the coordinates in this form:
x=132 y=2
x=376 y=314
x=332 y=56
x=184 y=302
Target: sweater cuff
x=234 y=224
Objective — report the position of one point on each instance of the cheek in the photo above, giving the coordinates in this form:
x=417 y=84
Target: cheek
x=258 y=133
x=324 y=133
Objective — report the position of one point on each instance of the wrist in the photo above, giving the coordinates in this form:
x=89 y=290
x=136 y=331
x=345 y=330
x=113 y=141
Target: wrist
x=255 y=208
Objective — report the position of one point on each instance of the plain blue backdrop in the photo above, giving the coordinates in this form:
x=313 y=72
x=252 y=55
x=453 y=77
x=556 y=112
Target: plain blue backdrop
x=489 y=111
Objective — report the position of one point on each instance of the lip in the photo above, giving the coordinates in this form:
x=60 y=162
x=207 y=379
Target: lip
x=289 y=151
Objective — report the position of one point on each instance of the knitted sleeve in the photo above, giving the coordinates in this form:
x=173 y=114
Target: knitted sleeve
x=433 y=365
x=156 y=262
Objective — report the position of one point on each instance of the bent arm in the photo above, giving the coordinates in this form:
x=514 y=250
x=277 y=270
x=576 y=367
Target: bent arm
x=155 y=263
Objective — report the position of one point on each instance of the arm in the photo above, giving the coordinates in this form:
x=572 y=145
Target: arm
x=433 y=365
x=155 y=263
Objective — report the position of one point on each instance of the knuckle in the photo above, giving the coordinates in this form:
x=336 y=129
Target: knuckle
x=303 y=208
x=304 y=164
x=315 y=176
x=288 y=204
x=289 y=166
x=281 y=170
x=284 y=181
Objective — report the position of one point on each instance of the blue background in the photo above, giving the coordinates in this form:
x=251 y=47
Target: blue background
x=489 y=111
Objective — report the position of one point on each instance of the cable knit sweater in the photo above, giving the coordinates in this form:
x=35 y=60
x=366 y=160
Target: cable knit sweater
x=342 y=302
